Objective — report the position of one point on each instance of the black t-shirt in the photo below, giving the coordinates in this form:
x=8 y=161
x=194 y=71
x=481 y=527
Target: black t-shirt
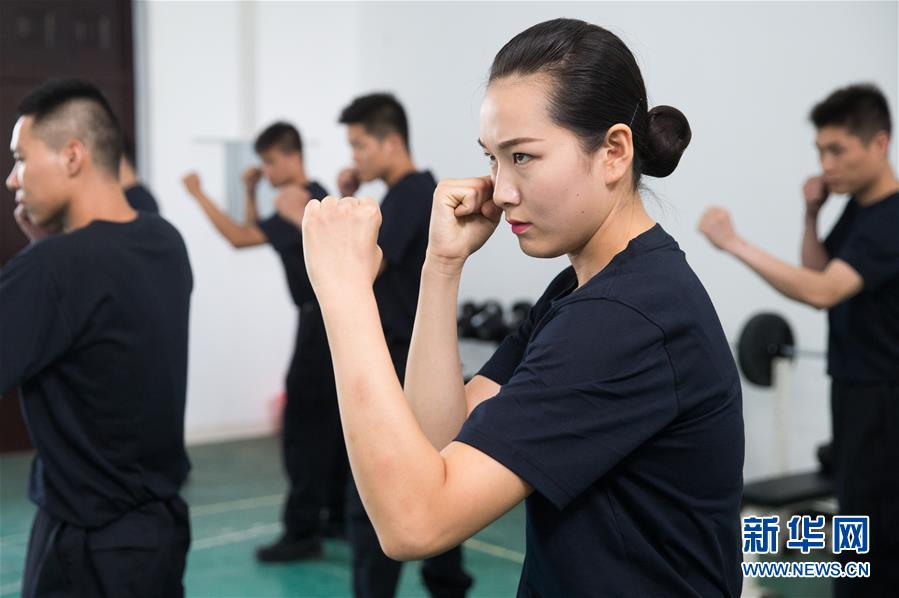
x=94 y=325
x=287 y=240
x=405 y=216
x=621 y=405
x=140 y=198
x=863 y=340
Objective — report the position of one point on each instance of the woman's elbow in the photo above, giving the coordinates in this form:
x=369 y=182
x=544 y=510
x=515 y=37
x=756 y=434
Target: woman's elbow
x=409 y=543
x=402 y=550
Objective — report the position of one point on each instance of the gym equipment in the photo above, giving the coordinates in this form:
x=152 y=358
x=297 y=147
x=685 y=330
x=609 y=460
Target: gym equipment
x=489 y=323
x=481 y=327
x=782 y=491
x=764 y=338
x=463 y=319
x=765 y=352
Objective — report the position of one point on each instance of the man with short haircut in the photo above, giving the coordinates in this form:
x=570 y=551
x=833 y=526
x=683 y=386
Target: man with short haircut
x=313 y=452
x=378 y=133
x=854 y=274
x=93 y=326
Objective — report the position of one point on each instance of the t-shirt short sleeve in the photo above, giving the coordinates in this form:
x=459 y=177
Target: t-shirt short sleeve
x=281 y=234
x=594 y=384
x=404 y=215
x=872 y=247
x=33 y=328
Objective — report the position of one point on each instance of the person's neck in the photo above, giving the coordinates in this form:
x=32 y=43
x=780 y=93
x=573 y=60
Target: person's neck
x=397 y=171
x=127 y=178
x=627 y=220
x=881 y=188
x=299 y=178
x=98 y=200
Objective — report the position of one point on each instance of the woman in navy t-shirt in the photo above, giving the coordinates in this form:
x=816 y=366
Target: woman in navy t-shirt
x=614 y=411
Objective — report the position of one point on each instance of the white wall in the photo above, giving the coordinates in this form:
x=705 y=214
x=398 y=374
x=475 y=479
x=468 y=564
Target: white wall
x=242 y=323
x=745 y=74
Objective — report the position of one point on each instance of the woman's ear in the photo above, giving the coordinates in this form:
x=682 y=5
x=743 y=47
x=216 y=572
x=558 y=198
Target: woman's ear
x=617 y=153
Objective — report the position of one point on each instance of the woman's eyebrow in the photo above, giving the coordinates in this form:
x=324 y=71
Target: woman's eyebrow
x=511 y=142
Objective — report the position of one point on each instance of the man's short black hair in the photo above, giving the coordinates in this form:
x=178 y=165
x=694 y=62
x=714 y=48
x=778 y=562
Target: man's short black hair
x=281 y=135
x=66 y=108
x=380 y=114
x=861 y=108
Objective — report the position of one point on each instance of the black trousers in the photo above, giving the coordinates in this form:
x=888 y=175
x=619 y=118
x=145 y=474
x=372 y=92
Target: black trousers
x=143 y=553
x=312 y=442
x=375 y=575
x=866 y=470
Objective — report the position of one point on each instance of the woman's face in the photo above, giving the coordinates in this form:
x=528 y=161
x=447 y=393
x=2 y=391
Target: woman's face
x=553 y=194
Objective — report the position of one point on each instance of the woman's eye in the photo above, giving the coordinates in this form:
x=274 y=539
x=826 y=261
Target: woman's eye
x=490 y=157
x=519 y=158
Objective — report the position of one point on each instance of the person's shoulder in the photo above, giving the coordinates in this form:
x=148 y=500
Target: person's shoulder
x=141 y=198
x=888 y=206
x=57 y=256
x=38 y=252
x=316 y=190
x=280 y=233
x=653 y=262
x=415 y=185
x=586 y=338
x=425 y=178
x=637 y=288
x=63 y=245
x=155 y=222
x=159 y=229
x=588 y=314
x=655 y=242
x=877 y=222
x=564 y=281
x=598 y=317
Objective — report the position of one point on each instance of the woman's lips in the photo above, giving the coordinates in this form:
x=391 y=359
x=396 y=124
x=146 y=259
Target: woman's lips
x=519 y=227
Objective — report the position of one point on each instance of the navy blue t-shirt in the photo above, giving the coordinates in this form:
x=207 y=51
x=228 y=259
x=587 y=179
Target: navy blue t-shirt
x=405 y=217
x=140 y=198
x=286 y=239
x=863 y=339
x=621 y=405
x=93 y=326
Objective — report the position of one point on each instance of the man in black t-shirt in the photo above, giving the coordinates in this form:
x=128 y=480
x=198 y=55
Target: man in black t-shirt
x=313 y=451
x=378 y=133
x=93 y=326
x=854 y=274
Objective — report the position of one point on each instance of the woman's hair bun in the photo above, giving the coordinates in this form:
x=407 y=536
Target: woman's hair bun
x=669 y=136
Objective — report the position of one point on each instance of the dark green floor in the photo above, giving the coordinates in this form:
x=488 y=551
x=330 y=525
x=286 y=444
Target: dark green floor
x=235 y=493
